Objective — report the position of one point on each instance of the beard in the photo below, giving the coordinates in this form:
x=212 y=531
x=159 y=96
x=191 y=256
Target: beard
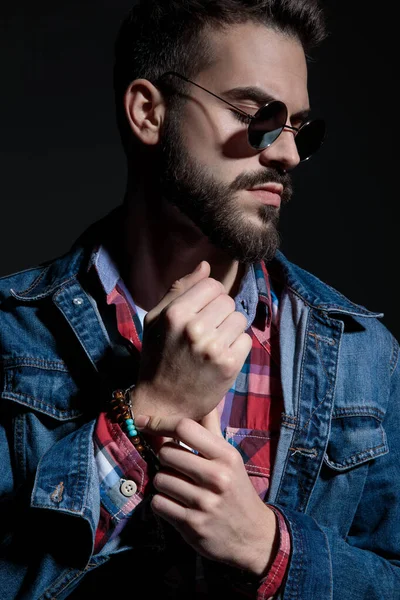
x=214 y=206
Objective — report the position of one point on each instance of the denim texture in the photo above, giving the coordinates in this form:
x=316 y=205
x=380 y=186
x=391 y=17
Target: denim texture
x=337 y=473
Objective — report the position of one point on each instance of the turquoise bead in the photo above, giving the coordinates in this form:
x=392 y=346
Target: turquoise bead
x=129 y=422
x=132 y=432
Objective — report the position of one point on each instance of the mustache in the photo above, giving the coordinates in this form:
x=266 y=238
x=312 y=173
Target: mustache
x=244 y=181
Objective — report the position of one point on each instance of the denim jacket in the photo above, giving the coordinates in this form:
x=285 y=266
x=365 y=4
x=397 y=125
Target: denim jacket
x=336 y=478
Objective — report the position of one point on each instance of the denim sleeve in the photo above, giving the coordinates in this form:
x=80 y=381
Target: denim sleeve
x=37 y=545
x=365 y=564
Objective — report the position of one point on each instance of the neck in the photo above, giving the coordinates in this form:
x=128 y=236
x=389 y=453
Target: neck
x=160 y=245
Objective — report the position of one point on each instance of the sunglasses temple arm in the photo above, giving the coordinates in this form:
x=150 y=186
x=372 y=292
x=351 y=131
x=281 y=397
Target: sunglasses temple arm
x=211 y=93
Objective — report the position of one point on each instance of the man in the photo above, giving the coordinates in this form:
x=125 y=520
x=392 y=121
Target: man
x=265 y=459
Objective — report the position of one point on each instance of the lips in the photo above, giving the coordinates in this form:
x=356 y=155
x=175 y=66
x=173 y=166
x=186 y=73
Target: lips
x=274 y=188
x=269 y=194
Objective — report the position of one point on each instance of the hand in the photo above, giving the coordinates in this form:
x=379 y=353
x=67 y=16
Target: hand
x=209 y=497
x=194 y=346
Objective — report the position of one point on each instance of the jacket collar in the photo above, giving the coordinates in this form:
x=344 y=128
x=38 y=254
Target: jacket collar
x=313 y=291
x=71 y=265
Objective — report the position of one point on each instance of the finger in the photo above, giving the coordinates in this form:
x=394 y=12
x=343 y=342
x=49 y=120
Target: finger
x=212 y=315
x=198 y=296
x=174 y=486
x=241 y=347
x=224 y=335
x=168 y=509
x=193 y=466
x=158 y=442
x=183 y=429
x=212 y=422
x=179 y=287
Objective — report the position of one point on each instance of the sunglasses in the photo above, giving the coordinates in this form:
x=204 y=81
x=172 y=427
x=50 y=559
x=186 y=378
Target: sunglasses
x=270 y=120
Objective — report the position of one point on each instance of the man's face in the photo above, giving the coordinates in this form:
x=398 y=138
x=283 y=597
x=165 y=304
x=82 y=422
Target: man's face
x=207 y=166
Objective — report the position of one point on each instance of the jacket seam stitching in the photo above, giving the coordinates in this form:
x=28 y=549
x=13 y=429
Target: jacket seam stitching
x=35 y=282
x=395 y=356
x=39 y=402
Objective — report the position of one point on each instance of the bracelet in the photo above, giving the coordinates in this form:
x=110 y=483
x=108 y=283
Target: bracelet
x=121 y=407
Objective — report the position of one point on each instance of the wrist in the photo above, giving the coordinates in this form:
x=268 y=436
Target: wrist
x=266 y=545
x=122 y=413
x=142 y=400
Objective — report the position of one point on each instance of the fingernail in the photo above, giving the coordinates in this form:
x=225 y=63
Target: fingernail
x=141 y=421
x=198 y=268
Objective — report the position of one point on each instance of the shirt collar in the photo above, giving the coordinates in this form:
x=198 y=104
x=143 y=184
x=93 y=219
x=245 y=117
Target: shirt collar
x=254 y=287
x=106 y=268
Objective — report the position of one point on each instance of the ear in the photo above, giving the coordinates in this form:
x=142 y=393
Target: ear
x=145 y=110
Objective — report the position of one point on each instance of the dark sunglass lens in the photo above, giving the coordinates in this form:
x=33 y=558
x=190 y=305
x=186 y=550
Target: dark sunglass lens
x=267 y=124
x=310 y=138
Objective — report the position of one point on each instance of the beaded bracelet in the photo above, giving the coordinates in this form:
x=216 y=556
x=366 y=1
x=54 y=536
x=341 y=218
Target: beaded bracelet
x=121 y=406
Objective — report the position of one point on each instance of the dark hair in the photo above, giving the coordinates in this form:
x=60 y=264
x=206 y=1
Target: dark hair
x=168 y=35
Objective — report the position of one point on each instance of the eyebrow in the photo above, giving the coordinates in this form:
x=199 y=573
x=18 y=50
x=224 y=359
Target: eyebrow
x=260 y=97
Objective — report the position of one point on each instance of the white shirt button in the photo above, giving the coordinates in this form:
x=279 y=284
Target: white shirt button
x=77 y=301
x=128 y=488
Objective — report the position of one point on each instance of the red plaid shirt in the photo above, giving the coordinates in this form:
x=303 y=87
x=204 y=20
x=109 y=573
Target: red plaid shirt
x=250 y=413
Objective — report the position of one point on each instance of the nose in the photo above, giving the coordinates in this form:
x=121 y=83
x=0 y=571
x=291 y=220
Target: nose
x=282 y=152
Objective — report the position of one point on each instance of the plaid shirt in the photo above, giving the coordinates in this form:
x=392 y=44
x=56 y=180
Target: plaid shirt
x=250 y=412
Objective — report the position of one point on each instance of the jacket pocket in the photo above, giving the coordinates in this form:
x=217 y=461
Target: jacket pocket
x=357 y=436
x=44 y=386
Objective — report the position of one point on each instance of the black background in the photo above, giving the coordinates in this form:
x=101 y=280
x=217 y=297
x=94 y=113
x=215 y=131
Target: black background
x=62 y=166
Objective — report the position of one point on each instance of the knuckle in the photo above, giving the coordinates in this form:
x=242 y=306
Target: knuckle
x=212 y=352
x=247 y=342
x=207 y=502
x=173 y=315
x=182 y=427
x=242 y=320
x=233 y=457
x=148 y=318
x=221 y=480
x=229 y=367
x=196 y=522
x=177 y=286
x=213 y=285
x=229 y=302
x=154 y=423
x=194 y=331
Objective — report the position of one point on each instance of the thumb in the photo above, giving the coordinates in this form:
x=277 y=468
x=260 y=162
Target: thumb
x=179 y=287
x=212 y=422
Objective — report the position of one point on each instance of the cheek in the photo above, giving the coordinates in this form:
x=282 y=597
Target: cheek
x=206 y=137
x=207 y=130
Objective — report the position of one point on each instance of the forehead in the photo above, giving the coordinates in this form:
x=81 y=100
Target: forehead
x=250 y=54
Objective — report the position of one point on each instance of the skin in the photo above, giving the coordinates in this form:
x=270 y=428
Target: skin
x=248 y=55
x=194 y=342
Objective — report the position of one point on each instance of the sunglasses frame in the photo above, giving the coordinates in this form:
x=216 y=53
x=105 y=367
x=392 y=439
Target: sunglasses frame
x=251 y=117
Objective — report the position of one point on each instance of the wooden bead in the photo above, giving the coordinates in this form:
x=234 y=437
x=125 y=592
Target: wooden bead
x=140 y=448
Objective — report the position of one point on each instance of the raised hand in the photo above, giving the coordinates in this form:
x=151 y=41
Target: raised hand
x=194 y=346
